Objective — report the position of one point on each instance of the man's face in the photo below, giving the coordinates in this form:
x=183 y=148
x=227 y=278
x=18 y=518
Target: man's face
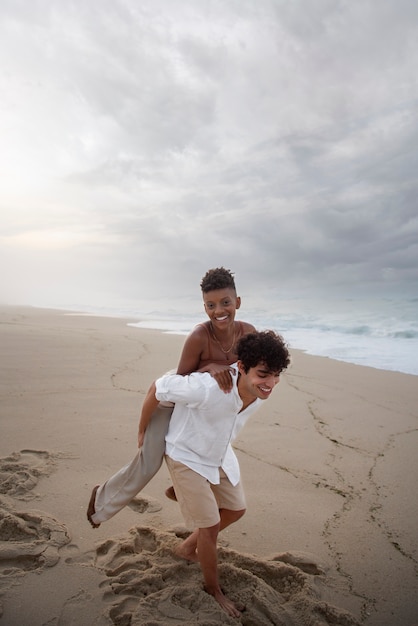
x=258 y=382
x=220 y=306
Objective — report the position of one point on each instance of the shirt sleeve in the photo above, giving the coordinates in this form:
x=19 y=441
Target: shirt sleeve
x=192 y=390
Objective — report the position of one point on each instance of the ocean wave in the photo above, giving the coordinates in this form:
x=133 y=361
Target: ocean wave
x=358 y=330
x=384 y=336
x=404 y=334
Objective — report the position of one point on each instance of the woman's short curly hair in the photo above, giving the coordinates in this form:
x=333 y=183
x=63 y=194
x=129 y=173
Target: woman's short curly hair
x=263 y=347
x=217 y=278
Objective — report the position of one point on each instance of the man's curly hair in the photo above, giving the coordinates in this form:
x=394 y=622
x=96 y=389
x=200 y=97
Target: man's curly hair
x=217 y=278
x=263 y=347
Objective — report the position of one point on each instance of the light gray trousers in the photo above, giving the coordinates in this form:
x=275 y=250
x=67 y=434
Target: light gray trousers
x=118 y=491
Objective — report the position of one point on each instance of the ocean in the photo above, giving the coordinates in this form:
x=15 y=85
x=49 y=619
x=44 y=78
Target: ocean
x=380 y=333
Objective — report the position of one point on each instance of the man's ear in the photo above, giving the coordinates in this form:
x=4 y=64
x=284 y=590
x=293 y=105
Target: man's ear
x=237 y=302
x=241 y=368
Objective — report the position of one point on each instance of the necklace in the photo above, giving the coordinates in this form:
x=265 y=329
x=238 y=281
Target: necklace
x=226 y=352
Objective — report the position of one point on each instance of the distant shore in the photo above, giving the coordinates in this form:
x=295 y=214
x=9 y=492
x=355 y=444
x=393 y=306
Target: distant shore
x=329 y=466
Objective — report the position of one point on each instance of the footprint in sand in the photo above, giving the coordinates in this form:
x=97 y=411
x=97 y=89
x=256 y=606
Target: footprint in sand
x=145 y=505
x=20 y=472
x=29 y=540
x=146 y=584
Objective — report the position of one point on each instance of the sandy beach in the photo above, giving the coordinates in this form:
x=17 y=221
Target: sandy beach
x=329 y=464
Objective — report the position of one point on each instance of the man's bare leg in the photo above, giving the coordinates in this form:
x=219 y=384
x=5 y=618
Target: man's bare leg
x=208 y=559
x=188 y=549
x=229 y=517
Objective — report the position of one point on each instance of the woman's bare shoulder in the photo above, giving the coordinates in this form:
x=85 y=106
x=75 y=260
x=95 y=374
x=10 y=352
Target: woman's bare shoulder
x=197 y=337
x=247 y=327
x=199 y=331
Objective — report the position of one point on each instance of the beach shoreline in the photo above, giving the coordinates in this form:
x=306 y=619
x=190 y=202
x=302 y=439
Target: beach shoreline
x=329 y=466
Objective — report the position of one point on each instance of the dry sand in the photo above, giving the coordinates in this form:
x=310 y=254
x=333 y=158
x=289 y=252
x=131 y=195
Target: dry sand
x=329 y=465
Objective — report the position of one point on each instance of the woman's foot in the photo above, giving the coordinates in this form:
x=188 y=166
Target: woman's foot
x=171 y=494
x=90 y=509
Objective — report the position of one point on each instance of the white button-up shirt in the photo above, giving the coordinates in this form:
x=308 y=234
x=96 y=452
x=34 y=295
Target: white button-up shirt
x=204 y=422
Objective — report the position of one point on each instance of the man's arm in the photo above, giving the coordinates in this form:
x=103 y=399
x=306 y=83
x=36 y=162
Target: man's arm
x=148 y=407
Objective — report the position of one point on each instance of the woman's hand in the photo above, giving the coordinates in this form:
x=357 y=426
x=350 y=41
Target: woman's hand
x=223 y=375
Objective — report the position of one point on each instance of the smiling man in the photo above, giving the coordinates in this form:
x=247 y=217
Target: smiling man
x=199 y=455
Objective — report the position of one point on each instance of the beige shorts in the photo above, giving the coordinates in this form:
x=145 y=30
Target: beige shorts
x=199 y=500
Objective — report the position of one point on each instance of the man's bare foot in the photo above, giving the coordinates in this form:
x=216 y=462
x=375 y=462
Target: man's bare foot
x=90 y=509
x=189 y=554
x=171 y=494
x=226 y=604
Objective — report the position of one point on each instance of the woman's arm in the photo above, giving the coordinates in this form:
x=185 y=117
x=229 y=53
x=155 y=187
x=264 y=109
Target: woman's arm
x=192 y=352
x=191 y=357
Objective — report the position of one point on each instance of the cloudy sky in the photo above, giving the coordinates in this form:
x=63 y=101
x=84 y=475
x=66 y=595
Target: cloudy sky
x=145 y=141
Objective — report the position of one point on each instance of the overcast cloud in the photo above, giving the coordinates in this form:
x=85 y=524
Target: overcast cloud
x=143 y=142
